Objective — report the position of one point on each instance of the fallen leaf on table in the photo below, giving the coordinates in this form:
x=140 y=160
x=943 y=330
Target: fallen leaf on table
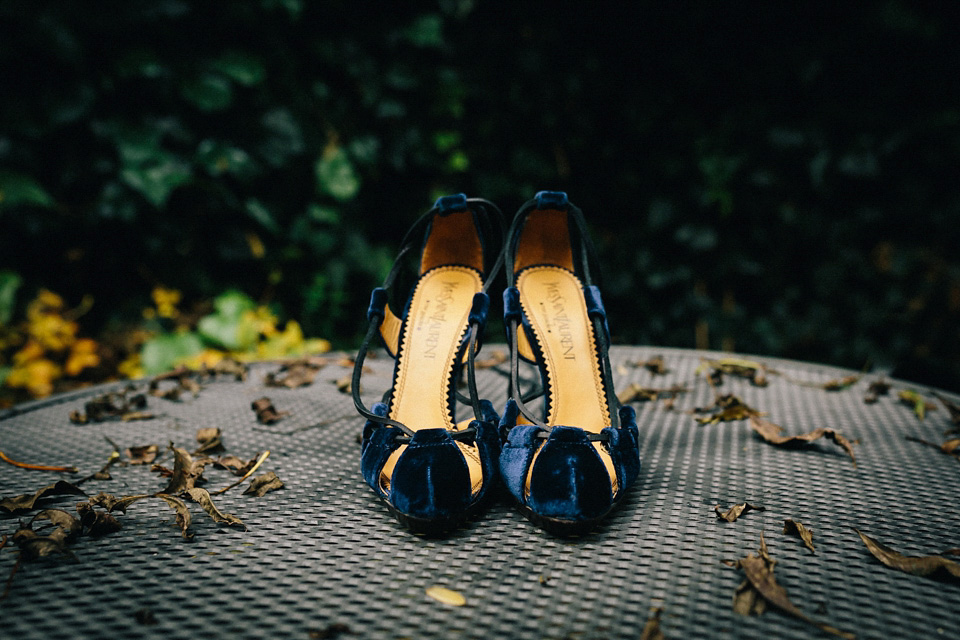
x=60 y=519
x=497 y=356
x=144 y=454
x=917 y=402
x=877 y=388
x=651 y=630
x=26 y=502
x=726 y=408
x=914 y=565
x=266 y=412
x=344 y=384
x=737 y=510
x=299 y=373
x=144 y=616
x=210 y=440
x=202 y=497
x=183 y=513
x=755 y=372
x=446 y=596
x=950 y=447
x=761 y=584
x=186 y=471
x=639 y=393
x=839 y=384
x=791 y=527
x=125 y=405
x=330 y=632
x=226 y=366
x=263 y=484
x=97 y=523
x=770 y=432
x=655 y=365
x=185 y=383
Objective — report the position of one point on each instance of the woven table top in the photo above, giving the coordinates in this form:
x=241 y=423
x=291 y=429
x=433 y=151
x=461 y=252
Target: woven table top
x=322 y=557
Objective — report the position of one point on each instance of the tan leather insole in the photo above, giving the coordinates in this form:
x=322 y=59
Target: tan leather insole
x=552 y=300
x=436 y=324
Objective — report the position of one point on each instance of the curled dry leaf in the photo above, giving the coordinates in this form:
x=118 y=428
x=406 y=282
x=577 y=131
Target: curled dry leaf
x=266 y=412
x=329 y=632
x=202 y=497
x=950 y=447
x=726 y=408
x=344 y=384
x=877 y=388
x=26 y=502
x=758 y=570
x=144 y=454
x=651 y=630
x=183 y=513
x=914 y=565
x=299 y=373
x=59 y=519
x=737 y=510
x=226 y=366
x=97 y=523
x=264 y=484
x=497 y=356
x=113 y=405
x=917 y=402
x=755 y=372
x=446 y=596
x=210 y=440
x=186 y=471
x=792 y=527
x=639 y=393
x=770 y=432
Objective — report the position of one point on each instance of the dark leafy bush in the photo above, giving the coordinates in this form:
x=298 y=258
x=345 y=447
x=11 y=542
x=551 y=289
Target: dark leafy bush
x=775 y=179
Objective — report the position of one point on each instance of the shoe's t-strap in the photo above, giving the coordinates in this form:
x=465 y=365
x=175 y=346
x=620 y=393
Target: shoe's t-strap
x=379 y=298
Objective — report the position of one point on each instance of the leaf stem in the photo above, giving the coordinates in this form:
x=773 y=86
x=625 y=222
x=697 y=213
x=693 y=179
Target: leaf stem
x=35 y=467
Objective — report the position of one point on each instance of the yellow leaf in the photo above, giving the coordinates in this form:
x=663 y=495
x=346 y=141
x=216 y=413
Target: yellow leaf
x=36 y=376
x=166 y=301
x=52 y=331
x=446 y=596
x=82 y=355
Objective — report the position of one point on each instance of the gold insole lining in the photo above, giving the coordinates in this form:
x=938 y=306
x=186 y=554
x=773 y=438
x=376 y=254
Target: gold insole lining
x=552 y=300
x=436 y=325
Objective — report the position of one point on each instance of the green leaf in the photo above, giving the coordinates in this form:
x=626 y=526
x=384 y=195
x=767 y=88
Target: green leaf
x=156 y=182
x=323 y=215
x=17 y=188
x=228 y=327
x=242 y=68
x=259 y=212
x=163 y=352
x=209 y=92
x=426 y=31
x=4 y=372
x=219 y=158
x=336 y=176
x=9 y=283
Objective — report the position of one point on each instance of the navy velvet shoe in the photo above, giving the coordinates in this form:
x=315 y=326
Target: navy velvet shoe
x=429 y=469
x=569 y=463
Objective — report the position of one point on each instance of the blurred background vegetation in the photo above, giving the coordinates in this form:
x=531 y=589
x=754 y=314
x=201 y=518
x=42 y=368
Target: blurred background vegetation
x=180 y=180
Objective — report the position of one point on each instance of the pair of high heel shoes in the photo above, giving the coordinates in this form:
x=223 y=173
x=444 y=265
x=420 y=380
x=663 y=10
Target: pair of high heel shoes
x=567 y=464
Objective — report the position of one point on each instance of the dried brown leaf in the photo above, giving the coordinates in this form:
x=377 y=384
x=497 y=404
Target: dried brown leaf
x=202 y=497
x=770 y=432
x=792 y=527
x=27 y=501
x=186 y=471
x=638 y=393
x=915 y=565
x=839 y=384
x=758 y=570
x=113 y=405
x=330 y=632
x=97 y=523
x=497 y=356
x=344 y=384
x=183 y=513
x=264 y=484
x=144 y=454
x=61 y=520
x=726 y=408
x=299 y=373
x=651 y=630
x=755 y=372
x=877 y=388
x=210 y=440
x=737 y=510
x=266 y=412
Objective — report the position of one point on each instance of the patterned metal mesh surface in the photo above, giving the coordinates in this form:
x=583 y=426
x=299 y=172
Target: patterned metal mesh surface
x=323 y=551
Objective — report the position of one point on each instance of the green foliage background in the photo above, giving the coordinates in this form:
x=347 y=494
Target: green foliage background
x=774 y=178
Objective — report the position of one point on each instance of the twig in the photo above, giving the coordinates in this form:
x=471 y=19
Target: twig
x=260 y=460
x=35 y=467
